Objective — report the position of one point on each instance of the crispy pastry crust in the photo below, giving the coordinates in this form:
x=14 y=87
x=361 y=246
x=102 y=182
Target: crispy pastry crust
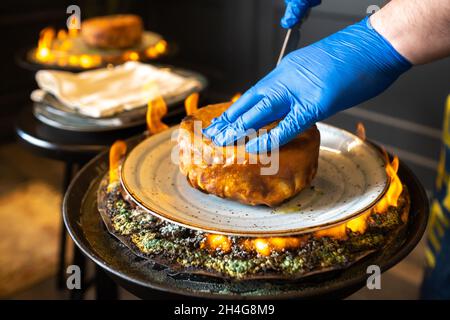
x=112 y=32
x=217 y=171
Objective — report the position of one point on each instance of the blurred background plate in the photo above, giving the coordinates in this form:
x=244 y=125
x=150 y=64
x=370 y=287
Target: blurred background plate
x=54 y=113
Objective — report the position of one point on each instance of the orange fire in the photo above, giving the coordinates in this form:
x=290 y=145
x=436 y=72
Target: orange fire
x=73 y=32
x=395 y=188
x=116 y=153
x=62 y=35
x=89 y=61
x=131 y=56
x=46 y=37
x=159 y=49
x=357 y=225
x=57 y=48
x=156 y=110
x=361 y=131
x=262 y=246
x=265 y=246
x=191 y=103
x=215 y=242
x=236 y=97
x=54 y=48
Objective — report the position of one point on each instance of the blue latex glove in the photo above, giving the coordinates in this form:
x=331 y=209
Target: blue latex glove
x=310 y=84
x=296 y=10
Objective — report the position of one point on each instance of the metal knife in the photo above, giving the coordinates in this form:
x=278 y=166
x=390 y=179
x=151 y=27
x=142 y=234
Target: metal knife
x=292 y=39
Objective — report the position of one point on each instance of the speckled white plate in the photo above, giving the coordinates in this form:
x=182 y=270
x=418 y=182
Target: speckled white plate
x=351 y=177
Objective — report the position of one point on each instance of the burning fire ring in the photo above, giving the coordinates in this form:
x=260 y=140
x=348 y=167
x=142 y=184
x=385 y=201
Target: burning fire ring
x=56 y=49
x=141 y=276
x=249 y=258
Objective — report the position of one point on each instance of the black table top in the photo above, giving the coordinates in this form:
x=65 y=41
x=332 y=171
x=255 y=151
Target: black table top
x=68 y=145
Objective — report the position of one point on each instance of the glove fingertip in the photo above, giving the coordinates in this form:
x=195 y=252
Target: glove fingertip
x=288 y=22
x=205 y=132
x=212 y=129
x=252 y=146
x=220 y=141
x=259 y=144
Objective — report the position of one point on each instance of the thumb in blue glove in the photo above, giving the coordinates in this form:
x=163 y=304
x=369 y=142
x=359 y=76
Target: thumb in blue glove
x=296 y=10
x=309 y=85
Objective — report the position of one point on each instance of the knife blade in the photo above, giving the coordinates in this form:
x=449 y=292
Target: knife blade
x=292 y=39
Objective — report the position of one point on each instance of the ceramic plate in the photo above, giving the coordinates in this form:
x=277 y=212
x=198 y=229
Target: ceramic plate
x=351 y=177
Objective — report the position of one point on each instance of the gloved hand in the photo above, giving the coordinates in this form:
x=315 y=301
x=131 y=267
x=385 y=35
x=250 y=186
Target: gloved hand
x=310 y=84
x=296 y=10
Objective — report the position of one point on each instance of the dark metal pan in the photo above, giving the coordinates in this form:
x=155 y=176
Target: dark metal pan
x=150 y=280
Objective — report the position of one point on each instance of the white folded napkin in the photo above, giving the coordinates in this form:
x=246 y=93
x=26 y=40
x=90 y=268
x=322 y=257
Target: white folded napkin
x=105 y=92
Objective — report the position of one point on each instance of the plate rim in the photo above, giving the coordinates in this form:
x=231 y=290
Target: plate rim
x=289 y=232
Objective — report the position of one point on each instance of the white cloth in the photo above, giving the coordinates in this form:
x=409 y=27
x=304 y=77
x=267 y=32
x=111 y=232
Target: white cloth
x=105 y=92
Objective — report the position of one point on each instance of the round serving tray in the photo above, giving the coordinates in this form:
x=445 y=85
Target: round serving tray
x=146 y=279
x=53 y=113
x=71 y=122
x=350 y=179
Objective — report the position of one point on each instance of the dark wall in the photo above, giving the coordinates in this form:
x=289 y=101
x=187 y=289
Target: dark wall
x=20 y=22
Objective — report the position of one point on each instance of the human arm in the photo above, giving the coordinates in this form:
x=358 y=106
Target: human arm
x=418 y=29
x=338 y=72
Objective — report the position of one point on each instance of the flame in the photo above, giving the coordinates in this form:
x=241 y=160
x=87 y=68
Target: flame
x=89 y=61
x=43 y=51
x=116 y=153
x=74 y=60
x=215 y=242
x=156 y=110
x=58 y=48
x=356 y=225
x=361 y=131
x=131 y=56
x=265 y=246
x=53 y=48
x=46 y=37
x=61 y=35
x=151 y=53
x=73 y=32
x=395 y=188
x=191 y=103
x=161 y=47
x=236 y=97
x=337 y=232
x=157 y=50
x=262 y=246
